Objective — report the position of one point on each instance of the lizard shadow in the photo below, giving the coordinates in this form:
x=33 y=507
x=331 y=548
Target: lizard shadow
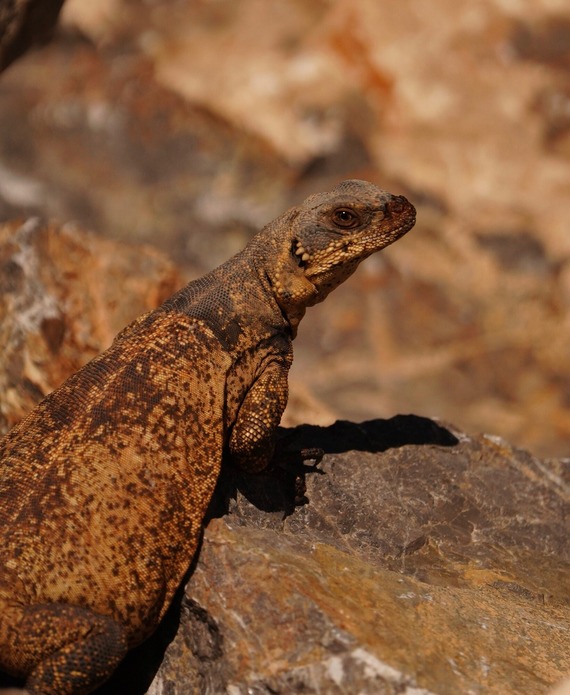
x=281 y=487
x=371 y=435
x=277 y=490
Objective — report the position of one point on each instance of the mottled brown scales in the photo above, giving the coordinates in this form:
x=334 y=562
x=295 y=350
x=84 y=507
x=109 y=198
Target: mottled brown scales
x=103 y=487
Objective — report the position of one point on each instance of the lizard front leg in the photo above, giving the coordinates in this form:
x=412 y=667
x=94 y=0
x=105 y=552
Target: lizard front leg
x=252 y=441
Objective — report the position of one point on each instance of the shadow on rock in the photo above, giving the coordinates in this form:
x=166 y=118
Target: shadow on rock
x=281 y=487
x=371 y=435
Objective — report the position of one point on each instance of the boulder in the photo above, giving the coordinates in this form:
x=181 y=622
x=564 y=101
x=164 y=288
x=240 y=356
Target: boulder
x=64 y=294
x=423 y=561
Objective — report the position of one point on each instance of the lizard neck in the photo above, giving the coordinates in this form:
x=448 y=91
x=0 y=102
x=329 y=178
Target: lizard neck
x=237 y=302
x=291 y=314
x=284 y=284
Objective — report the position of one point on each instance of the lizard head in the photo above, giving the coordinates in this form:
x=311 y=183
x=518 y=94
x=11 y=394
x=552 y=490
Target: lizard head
x=328 y=235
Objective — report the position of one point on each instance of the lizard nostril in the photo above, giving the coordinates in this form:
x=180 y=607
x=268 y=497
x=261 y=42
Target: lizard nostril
x=397 y=204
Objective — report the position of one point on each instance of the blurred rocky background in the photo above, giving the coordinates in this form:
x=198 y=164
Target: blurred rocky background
x=189 y=124
x=148 y=141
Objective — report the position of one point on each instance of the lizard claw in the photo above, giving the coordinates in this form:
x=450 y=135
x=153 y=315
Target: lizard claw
x=294 y=461
x=291 y=466
x=314 y=453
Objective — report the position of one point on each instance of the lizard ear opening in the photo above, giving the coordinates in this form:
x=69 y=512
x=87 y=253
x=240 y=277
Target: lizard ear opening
x=290 y=284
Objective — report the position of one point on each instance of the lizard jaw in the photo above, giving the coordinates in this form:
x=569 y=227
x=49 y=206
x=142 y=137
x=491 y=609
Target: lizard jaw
x=346 y=250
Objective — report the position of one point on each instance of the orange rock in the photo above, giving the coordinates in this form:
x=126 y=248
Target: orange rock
x=64 y=294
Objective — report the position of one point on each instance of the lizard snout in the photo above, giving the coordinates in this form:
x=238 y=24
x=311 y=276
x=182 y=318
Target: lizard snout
x=398 y=205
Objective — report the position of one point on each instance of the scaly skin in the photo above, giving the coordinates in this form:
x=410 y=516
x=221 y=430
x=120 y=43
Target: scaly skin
x=104 y=486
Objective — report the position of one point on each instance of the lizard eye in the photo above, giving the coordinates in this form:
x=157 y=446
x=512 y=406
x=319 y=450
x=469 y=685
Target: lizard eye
x=345 y=217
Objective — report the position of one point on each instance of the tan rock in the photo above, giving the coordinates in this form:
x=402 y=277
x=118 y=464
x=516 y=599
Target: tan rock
x=419 y=565
x=64 y=295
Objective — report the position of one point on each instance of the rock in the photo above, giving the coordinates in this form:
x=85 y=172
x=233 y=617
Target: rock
x=24 y=23
x=64 y=294
x=425 y=562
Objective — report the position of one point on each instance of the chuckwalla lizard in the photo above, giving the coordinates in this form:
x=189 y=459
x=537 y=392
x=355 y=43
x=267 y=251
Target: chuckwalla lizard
x=103 y=487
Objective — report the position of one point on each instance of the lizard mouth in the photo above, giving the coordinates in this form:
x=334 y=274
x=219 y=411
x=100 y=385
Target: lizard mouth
x=314 y=264
x=344 y=250
x=300 y=254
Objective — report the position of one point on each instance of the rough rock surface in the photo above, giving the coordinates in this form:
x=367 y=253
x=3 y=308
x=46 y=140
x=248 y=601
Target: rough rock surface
x=64 y=294
x=422 y=563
